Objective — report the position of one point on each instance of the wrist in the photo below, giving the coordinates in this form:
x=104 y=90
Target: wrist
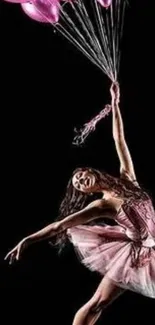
x=114 y=101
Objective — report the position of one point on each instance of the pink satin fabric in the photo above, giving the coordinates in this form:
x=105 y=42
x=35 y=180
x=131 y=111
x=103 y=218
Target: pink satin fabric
x=125 y=252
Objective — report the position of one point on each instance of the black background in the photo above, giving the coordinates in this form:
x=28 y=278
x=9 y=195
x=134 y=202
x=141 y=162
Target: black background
x=40 y=68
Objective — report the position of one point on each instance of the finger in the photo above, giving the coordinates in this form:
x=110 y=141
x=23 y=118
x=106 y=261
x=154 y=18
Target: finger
x=18 y=253
x=12 y=258
x=8 y=255
x=11 y=252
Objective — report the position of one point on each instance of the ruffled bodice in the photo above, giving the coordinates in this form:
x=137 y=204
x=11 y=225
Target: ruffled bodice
x=137 y=217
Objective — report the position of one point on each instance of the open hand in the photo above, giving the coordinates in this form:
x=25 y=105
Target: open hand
x=15 y=253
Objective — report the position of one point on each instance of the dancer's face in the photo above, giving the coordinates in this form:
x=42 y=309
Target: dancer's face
x=84 y=181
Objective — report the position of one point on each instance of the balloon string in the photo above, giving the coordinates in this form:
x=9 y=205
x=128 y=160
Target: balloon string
x=96 y=33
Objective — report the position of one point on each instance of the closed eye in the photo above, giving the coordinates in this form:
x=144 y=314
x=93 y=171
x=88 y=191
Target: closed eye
x=79 y=175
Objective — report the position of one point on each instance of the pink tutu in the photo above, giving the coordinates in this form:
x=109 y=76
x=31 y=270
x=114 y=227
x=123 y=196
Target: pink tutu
x=125 y=252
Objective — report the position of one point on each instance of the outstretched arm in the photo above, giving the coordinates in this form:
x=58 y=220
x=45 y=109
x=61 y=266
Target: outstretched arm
x=96 y=209
x=126 y=164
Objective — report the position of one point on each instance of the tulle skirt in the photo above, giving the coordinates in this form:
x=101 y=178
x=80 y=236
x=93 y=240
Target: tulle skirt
x=108 y=250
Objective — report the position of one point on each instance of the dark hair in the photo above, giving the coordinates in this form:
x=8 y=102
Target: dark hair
x=75 y=200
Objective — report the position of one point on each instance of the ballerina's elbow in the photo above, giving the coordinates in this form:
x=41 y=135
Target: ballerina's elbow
x=59 y=227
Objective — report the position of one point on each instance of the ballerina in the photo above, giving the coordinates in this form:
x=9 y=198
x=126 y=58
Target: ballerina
x=124 y=254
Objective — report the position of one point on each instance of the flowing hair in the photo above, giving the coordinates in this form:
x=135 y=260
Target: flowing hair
x=75 y=200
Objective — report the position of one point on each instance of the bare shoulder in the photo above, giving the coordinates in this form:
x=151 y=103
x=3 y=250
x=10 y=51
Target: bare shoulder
x=110 y=204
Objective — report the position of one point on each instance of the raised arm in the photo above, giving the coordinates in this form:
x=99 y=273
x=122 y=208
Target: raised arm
x=96 y=209
x=126 y=164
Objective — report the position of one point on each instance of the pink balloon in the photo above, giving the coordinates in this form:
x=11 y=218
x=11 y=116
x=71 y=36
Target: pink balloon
x=105 y=3
x=67 y=0
x=49 y=8
x=40 y=12
x=31 y=11
x=16 y=1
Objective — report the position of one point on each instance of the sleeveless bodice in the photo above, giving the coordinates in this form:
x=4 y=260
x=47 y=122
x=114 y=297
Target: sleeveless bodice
x=137 y=217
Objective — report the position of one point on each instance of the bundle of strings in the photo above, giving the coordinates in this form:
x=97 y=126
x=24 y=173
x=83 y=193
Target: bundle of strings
x=90 y=126
x=95 y=27
x=96 y=31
